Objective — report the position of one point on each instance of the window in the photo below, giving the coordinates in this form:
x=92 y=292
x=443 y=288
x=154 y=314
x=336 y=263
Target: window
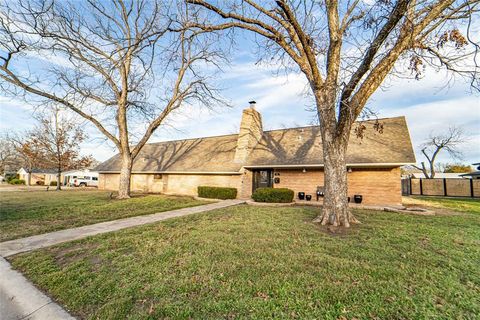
x=157 y=177
x=94 y=178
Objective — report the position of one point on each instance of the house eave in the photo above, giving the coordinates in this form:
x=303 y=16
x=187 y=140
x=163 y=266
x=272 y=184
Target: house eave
x=299 y=166
x=350 y=165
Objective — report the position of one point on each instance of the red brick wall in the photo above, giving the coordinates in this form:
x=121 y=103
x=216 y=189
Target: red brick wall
x=377 y=186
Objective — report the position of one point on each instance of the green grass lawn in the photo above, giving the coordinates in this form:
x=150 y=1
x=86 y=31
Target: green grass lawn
x=261 y=262
x=457 y=204
x=27 y=213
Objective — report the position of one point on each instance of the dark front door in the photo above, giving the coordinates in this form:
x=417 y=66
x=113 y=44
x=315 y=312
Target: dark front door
x=262 y=179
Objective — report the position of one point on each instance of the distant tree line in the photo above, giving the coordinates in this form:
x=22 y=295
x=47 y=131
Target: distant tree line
x=54 y=143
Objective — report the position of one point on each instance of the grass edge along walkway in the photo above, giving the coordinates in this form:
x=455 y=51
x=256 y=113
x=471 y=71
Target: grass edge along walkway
x=12 y=247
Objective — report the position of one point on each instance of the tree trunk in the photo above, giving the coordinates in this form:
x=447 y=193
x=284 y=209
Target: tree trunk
x=335 y=209
x=425 y=171
x=335 y=137
x=125 y=174
x=59 y=180
x=432 y=169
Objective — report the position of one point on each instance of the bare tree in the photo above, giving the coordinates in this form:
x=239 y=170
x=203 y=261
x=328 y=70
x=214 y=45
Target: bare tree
x=58 y=138
x=8 y=153
x=125 y=66
x=346 y=49
x=29 y=155
x=449 y=141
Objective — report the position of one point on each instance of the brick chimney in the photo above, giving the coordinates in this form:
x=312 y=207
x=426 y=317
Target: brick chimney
x=251 y=132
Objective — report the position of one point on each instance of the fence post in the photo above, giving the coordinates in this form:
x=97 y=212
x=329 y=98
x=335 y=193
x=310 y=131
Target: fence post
x=445 y=187
x=421 y=187
x=471 y=188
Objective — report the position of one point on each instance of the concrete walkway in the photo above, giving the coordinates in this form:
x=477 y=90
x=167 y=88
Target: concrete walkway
x=19 y=299
x=12 y=247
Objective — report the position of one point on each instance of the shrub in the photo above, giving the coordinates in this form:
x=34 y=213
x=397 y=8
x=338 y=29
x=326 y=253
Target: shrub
x=40 y=183
x=217 y=192
x=53 y=183
x=279 y=195
x=16 y=181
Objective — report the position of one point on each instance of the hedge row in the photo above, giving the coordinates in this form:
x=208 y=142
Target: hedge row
x=16 y=181
x=217 y=192
x=274 y=195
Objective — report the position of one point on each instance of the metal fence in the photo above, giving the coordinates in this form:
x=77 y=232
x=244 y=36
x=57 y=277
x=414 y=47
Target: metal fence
x=447 y=187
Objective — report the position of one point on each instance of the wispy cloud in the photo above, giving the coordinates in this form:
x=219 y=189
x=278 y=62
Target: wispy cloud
x=427 y=104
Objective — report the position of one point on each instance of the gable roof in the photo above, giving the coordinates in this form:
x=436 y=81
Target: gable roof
x=284 y=147
x=212 y=154
x=304 y=146
x=40 y=171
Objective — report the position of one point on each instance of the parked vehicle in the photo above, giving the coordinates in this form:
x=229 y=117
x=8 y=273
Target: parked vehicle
x=84 y=181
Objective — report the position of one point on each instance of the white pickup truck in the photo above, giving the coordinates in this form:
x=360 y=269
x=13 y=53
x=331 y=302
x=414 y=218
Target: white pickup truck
x=84 y=181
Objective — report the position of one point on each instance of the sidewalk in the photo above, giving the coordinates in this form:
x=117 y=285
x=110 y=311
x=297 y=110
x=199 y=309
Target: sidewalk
x=19 y=299
x=12 y=247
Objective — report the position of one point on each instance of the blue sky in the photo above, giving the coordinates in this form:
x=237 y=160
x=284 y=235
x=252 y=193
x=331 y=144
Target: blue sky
x=430 y=105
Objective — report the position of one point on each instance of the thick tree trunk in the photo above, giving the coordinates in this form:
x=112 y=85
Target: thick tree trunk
x=125 y=174
x=335 y=139
x=335 y=209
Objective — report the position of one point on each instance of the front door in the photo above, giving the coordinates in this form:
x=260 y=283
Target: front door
x=262 y=179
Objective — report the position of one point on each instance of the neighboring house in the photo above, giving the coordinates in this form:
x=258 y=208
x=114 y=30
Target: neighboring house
x=290 y=158
x=474 y=174
x=85 y=174
x=44 y=176
x=438 y=175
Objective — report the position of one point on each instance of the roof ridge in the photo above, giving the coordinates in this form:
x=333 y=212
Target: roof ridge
x=316 y=125
x=207 y=137
x=236 y=134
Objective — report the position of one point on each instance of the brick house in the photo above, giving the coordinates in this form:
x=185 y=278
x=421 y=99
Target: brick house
x=253 y=158
x=43 y=176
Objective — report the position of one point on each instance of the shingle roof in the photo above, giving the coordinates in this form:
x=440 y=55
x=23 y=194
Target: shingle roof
x=471 y=174
x=294 y=146
x=47 y=171
x=212 y=154
x=304 y=145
